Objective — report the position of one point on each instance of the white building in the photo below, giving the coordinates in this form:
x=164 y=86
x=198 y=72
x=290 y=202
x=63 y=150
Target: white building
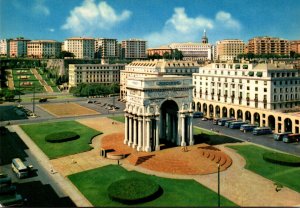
x=154 y=68
x=251 y=92
x=194 y=51
x=229 y=49
x=4 y=46
x=94 y=73
x=83 y=48
x=134 y=49
x=106 y=48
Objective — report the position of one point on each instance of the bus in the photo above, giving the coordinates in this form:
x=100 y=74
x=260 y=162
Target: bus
x=222 y=121
x=227 y=123
x=279 y=136
x=19 y=168
x=247 y=127
x=291 y=138
x=237 y=125
x=262 y=130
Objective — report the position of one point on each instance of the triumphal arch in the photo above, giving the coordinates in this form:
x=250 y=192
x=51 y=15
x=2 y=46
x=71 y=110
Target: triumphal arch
x=158 y=109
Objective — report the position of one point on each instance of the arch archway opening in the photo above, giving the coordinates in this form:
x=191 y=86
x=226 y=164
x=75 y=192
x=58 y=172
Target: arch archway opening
x=240 y=114
x=205 y=109
x=271 y=122
x=288 y=125
x=168 y=124
x=256 y=119
x=218 y=111
x=211 y=110
x=199 y=107
x=231 y=113
x=224 y=110
x=248 y=116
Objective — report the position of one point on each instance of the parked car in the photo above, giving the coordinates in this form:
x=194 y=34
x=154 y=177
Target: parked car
x=198 y=115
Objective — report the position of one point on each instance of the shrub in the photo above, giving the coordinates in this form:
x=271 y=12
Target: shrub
x=251 y=73
x=62 y=137
x=282 y=159
x=134 y=190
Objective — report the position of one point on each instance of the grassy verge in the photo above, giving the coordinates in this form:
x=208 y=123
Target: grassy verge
x=285 y=175
x=93 y=185
x=118 y=118
x=37 y=132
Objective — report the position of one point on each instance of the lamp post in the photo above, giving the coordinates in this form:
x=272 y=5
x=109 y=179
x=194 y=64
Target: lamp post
x=33 y=100
x=219 y=201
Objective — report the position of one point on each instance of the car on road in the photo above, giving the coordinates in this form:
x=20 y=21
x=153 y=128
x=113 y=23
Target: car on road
x=197 y=115
x=247 y=127
x=279 y=136
x=291 y=138
x=204 y=119
x=262 y=130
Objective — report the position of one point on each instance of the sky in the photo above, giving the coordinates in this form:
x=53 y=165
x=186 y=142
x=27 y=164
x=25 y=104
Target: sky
x=160 y=22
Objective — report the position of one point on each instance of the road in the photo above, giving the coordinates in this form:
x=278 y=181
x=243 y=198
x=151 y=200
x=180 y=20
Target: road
x=265 y=140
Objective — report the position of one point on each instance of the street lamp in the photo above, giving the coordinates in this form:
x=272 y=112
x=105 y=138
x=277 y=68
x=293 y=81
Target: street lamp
x=219 y=201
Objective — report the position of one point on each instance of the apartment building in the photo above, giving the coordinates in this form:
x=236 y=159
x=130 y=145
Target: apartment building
x=134 y=49
x=18 y=47
x=269 y=45
x=106 y=48
x=43 y=49
x=155 y=68
x=4 y=46
x=254 y=92
x=82 y=48
x=94 y=73
x=295 y=46
x=227 y=50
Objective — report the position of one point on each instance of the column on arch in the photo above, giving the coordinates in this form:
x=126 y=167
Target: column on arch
x=157 y=147
x=130 y=130
x=178 y=141
x=134 y=145
x=174 y=136
x=147 y=147
x=183 y=130
x=140 y=134
x=191 y=136
x=126 y=129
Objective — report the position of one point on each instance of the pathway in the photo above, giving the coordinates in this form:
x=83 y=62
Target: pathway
x=42 y=81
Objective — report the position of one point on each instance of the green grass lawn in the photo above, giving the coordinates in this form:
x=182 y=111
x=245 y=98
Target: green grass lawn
x=93 y=185
x=118 y=118
x=37 y=132
x=285 y=175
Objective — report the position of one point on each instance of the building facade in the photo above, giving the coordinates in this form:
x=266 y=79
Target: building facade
x=4 y=47
x=227 y=50
x=160 y=51
x=134 y=49
x=18 y=47
x=258 y=93
x=158 y=109
x=94 y=73
x=269 y=45
x=82 y=48
x=295 y=46
x=106 y=48
x=43 y=49
x=194 y=51
x=155 y=68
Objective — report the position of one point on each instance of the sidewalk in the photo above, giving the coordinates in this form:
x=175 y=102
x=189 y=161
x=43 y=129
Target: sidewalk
x=62 y=186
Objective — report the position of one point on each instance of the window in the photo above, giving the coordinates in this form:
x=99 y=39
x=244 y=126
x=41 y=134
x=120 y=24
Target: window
x=256 y=88
x=265 y=89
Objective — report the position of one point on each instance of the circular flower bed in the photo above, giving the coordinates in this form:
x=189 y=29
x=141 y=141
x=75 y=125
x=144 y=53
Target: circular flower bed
x=63 y=136
x=282 y=159
x=133 y=190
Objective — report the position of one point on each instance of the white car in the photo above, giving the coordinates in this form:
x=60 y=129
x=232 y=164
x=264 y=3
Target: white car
x=204 y=119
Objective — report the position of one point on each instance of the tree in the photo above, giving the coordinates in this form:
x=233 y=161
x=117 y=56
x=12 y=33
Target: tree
x=64 y=54
x=155 y=56
x=177 y=54
x=9 y=95
x=167 y=55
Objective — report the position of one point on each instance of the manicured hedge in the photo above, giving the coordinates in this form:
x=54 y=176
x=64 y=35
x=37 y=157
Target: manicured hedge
x=62 y=137
x=282 y=159
x=134 y=190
